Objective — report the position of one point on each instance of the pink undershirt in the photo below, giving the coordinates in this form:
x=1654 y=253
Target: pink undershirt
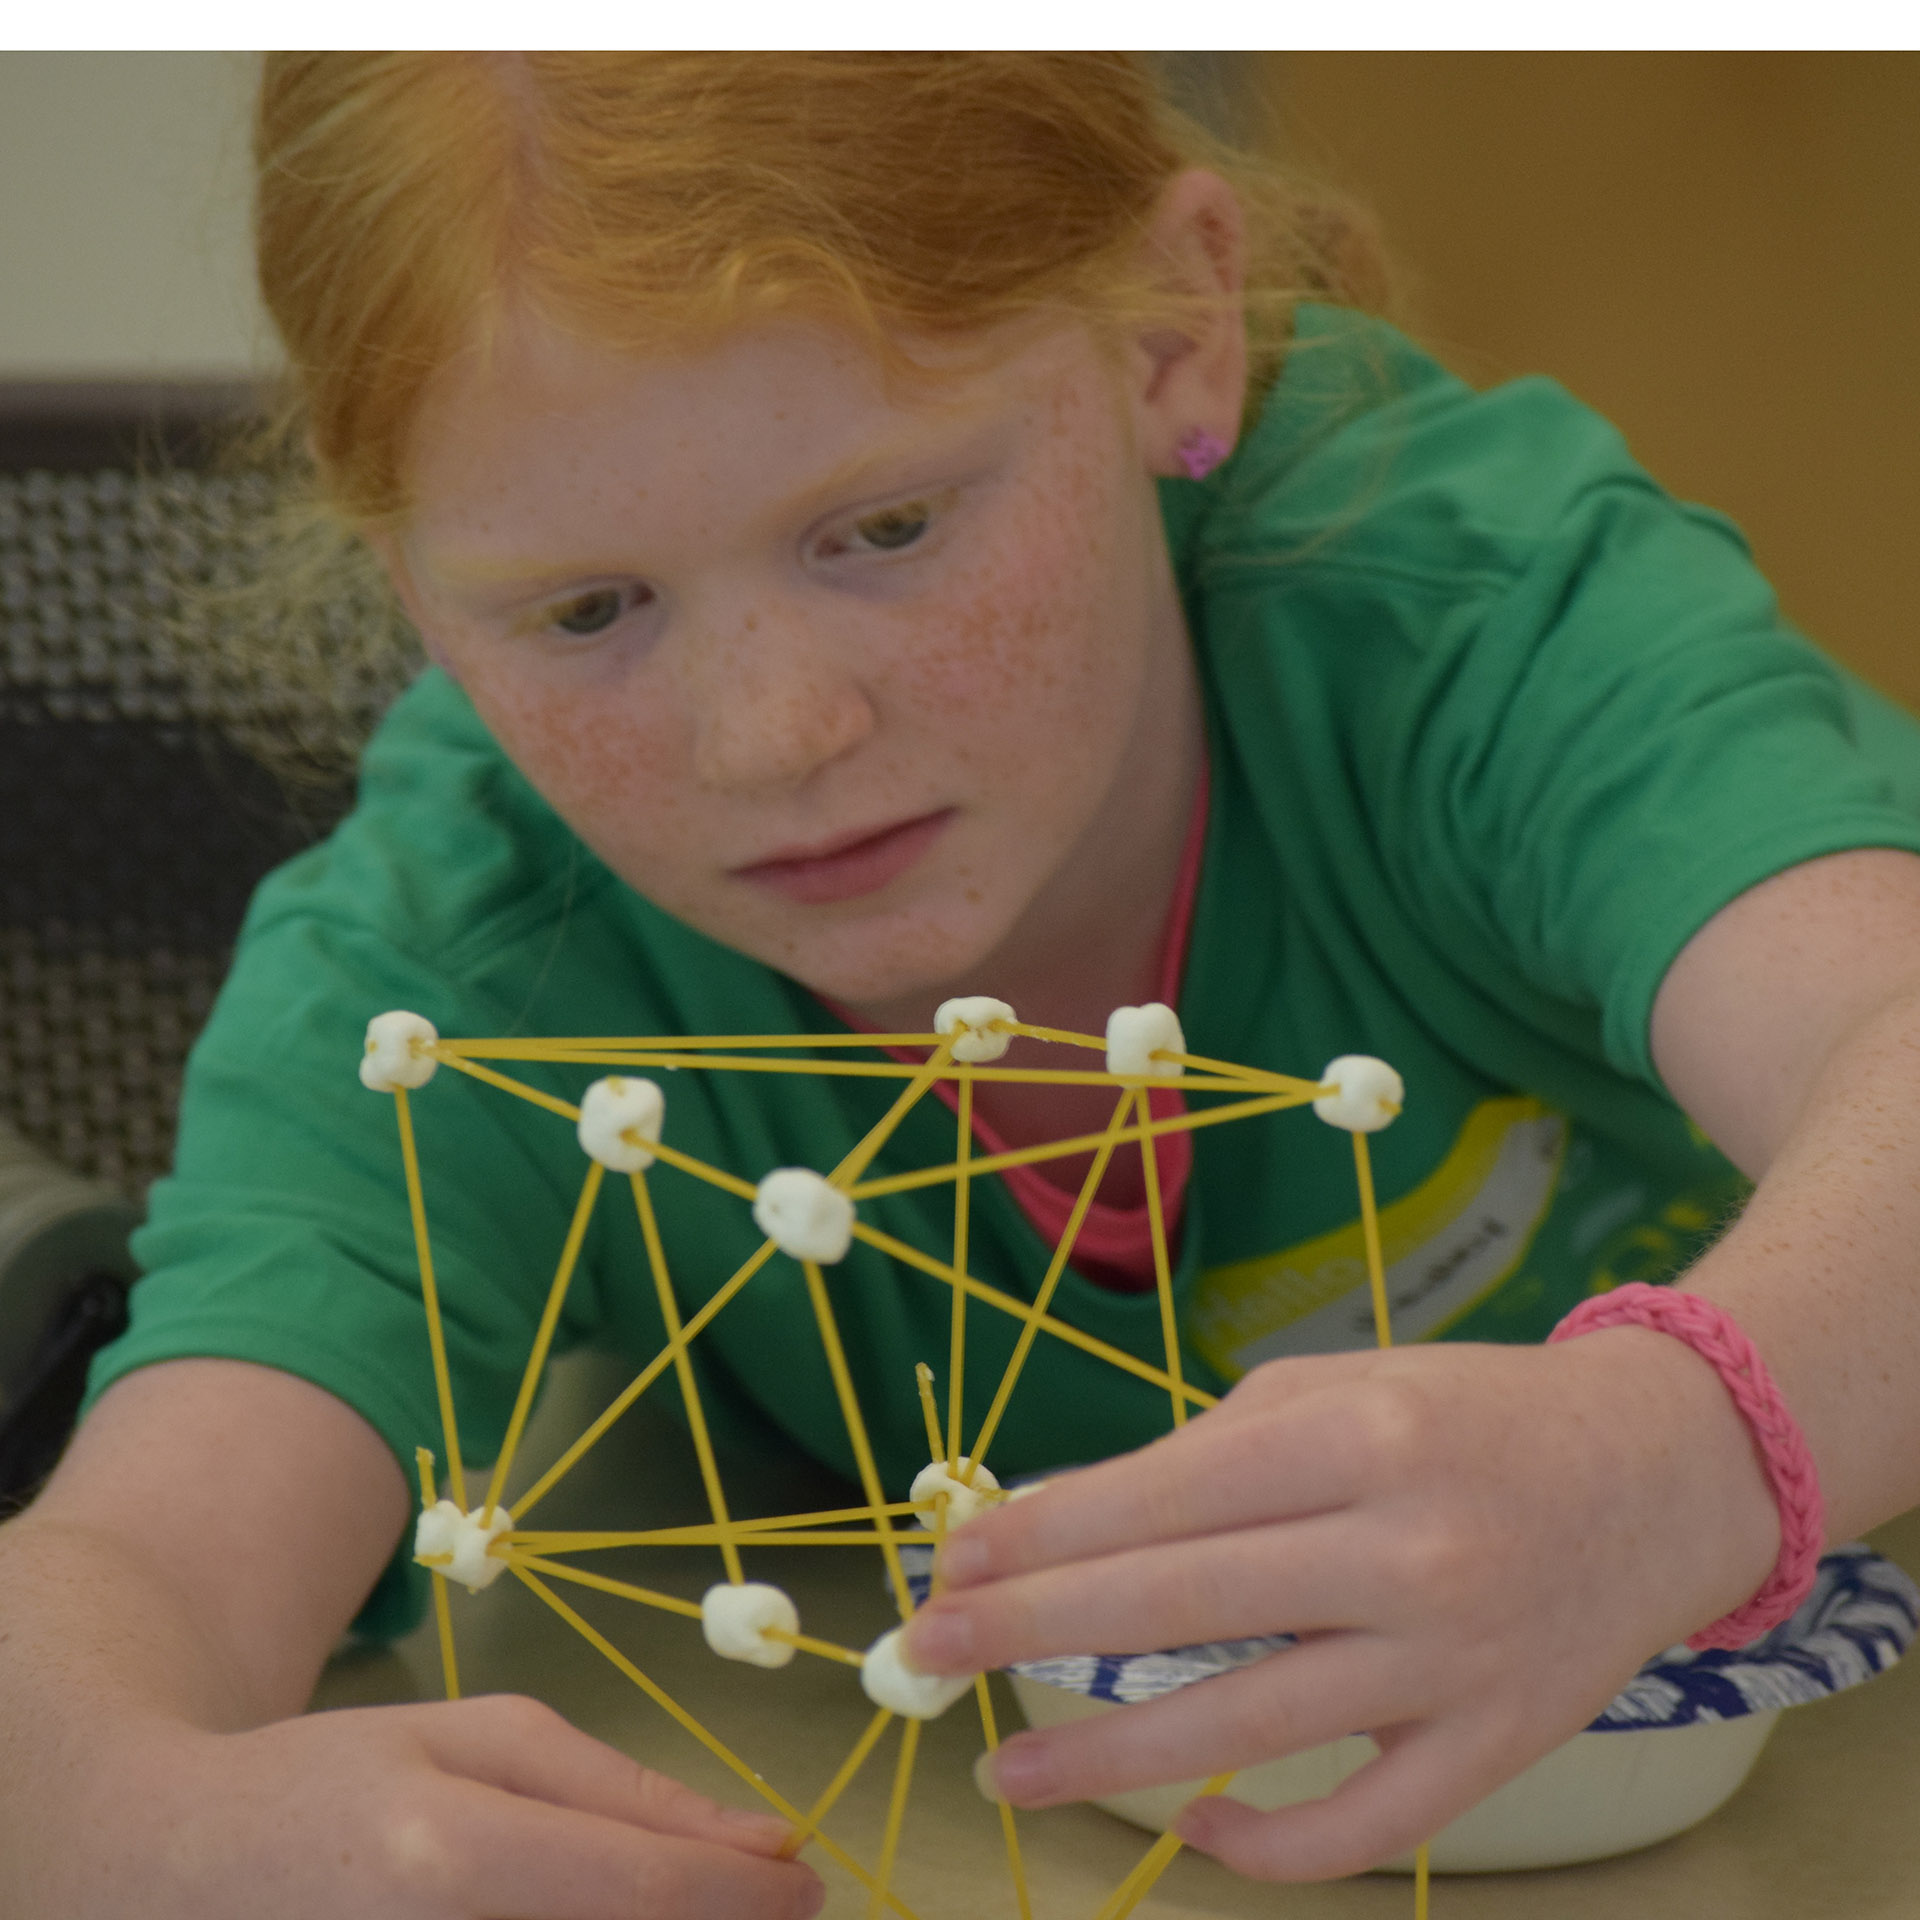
x=1115 y=1244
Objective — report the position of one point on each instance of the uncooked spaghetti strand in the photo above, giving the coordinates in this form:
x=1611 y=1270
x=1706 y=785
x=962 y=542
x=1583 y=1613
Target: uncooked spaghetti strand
x=641 y=1382
x=827 y=1069
x=896 y=1816
x=857 y=1162
x=713 y=1176
x=545 y=1051
x=543 y=1337
x=430 y=1296
x=1159 y=1857
x=672 y=1603
x=1253 y=1076
x=443 y=1619
x=1189 y=1122
x=442 y=1613
x=1162 y=1266
x=1422 y=1870
x=923 y=1379
x=1055 y=1268
x=911 y=1256
x=962 y=1228
x=857 y=1433
x=689 y=1389
x=703 y=1536
x=554 y=1540
x=1015 y=1865
x=1209 y=1082
x=795 y=1842
x=1059 y=1036
x=621 y=1589
x=518 y=1088
x=1370 y=1232
x=1231 y=1069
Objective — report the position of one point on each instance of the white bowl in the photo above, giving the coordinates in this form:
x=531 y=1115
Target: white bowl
x=1600 y=1794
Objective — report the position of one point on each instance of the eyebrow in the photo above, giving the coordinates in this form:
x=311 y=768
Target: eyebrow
x=527 y=579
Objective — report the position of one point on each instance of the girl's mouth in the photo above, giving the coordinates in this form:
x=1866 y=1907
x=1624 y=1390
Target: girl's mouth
x=849 y=866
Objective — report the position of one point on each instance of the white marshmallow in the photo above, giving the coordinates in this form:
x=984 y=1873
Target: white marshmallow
x=616 y=1115
x=396 y=1053
x=735 y=1620
x=443 y=1528
x=963 y=1501
x=1367 y=1093
x=972 y=1019
x=804 y=1216
x=1135 y=1034
x=891 y=1683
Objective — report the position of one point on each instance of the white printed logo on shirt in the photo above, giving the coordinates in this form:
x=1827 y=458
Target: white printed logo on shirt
x=1447 y=1245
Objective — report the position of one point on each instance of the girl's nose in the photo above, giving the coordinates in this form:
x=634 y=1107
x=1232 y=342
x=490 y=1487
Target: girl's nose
x=772 y=705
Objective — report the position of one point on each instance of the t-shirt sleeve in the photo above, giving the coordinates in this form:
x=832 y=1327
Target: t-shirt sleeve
x=283 y=1235
x=1587 y=764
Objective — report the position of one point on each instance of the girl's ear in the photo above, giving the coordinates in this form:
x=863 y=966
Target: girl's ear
x=1189 y=379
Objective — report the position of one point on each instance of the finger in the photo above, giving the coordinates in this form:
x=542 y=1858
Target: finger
x=1423 y=1778
x=1292 y=1700
x=510 y=1741
x=522 y=1859
x=1214 y=1473
x=1301 y=1578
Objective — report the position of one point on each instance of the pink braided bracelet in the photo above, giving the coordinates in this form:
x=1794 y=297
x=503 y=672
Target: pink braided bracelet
x=1715 y=1336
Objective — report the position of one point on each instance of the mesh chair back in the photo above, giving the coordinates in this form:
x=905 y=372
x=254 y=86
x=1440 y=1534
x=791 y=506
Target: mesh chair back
x=135 y=816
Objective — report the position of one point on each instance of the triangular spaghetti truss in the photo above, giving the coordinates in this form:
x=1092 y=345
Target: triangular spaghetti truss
x=537 y=1558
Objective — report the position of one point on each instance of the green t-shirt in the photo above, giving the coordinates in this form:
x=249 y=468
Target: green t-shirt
x=1495 y=727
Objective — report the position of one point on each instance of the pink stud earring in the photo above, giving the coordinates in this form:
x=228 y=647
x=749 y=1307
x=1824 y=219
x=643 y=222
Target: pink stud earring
x=1200 y=452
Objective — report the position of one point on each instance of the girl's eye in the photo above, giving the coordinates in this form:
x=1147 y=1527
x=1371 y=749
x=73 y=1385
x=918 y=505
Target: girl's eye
x=895 y=527
x=594 y=612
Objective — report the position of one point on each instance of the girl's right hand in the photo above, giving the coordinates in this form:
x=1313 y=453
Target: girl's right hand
x=492 y=1808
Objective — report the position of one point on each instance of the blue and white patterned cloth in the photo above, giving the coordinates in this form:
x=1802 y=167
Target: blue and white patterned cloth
x=1859 y=1619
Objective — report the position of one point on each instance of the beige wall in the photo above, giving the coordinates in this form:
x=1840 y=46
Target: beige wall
x=1720 y=251
x=123 y=217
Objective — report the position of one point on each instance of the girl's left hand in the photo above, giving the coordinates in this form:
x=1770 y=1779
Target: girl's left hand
x=1478 y=1546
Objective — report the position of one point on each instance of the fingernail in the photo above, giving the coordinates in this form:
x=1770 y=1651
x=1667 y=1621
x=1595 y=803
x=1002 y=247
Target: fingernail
x=939 y=1643
x=984 y=1782
x=811 y=1900
x=1022 y=1769
x=1195 y=1825
x=961 y=1560
x=761 y=1827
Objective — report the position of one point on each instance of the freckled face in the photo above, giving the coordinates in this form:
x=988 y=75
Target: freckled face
x=889 y=691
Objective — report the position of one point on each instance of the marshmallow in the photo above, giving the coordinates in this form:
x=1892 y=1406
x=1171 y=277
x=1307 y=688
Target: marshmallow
x=1366 y=1095
x=970 y=1020
x=443 y=1528
x=889 y=1682
x=735 y=1620
x=802 y=1215
x=616 y=1115
x=963 y=1501
x=396 y=1054
x=1135 y=1034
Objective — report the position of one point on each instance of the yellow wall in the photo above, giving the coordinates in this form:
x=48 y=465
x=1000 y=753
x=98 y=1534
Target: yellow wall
x=1719 y=251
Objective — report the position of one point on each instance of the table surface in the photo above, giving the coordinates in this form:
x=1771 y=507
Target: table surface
x=1826 y=1823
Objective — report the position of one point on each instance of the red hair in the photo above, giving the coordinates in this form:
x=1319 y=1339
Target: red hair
x=654 y=200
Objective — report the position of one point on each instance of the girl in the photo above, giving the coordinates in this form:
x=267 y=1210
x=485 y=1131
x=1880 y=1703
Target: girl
x=895 y=526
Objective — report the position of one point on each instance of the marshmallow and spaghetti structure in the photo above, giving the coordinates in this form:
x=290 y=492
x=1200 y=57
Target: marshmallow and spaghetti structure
x=812 y=1218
